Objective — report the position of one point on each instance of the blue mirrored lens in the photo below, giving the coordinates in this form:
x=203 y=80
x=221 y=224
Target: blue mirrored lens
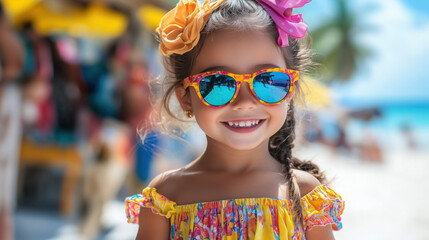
x=271 y=87
x=217 y=89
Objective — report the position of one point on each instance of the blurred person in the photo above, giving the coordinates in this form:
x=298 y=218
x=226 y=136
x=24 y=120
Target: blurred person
x=130 y=72
x=407 y=133
x=68 y=88
x=342 y=142
x=124 y=88
x=103 y=83
x=369 y=147
x=311 y=129
x=53 y=88
x=104 y=177
x=37 y=87
x=11 y=61
x=10 y=49
x=135 y=106
x=246 y=184
x=135 y=111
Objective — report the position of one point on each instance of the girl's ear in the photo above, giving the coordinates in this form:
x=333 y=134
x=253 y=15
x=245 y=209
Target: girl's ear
x=183 y=98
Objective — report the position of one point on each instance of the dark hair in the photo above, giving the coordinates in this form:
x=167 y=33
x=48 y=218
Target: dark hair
x=2 y=12
x=248 y=15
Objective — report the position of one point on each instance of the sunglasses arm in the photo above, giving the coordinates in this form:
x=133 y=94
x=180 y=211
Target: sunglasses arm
x=186 y=83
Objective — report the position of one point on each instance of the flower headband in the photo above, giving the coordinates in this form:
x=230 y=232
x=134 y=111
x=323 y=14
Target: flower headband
x=180 y=28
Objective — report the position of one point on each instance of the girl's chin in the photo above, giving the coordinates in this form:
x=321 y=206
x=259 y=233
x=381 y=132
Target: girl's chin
x=244 y=144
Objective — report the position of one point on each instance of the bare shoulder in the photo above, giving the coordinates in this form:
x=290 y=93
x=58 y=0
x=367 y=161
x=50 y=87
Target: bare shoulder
x=306 y=181
x=167 y=183
x=154 y=226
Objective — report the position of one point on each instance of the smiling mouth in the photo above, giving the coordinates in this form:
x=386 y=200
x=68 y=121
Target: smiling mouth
x=243 y=124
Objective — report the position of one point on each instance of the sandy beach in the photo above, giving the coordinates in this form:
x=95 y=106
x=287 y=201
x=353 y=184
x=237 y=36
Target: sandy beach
x=383 y=200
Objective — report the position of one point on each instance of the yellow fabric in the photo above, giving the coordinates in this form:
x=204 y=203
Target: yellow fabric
x=95 y=20
x=317 y=209
x=150 y=16
x=16 y=7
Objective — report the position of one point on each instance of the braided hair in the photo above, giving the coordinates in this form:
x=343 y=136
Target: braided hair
x=280 y=147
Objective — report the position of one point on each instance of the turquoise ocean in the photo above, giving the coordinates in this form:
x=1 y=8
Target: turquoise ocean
x=395 y=123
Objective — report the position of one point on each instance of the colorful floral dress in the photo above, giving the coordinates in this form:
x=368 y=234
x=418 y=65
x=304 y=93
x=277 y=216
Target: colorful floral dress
x=244 y=218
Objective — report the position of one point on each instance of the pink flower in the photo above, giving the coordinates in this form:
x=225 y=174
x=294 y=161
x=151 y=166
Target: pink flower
x=287 y=24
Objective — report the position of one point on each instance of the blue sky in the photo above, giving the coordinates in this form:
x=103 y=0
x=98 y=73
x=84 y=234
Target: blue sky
x=418 y=5
x=398 y=70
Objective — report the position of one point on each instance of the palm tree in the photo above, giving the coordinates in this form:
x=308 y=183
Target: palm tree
x=335 y=46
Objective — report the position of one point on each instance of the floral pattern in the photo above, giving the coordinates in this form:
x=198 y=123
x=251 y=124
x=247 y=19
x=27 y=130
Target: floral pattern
x=246 y=218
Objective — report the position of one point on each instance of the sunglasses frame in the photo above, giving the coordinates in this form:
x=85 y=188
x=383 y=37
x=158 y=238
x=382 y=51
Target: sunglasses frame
x=194 y=81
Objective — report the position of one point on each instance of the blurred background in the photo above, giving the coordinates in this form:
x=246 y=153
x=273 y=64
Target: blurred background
x=74 y=89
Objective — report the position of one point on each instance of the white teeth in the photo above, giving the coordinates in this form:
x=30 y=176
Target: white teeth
x=244 y=123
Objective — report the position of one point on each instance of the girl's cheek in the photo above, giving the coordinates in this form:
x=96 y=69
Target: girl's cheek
x=197 y=105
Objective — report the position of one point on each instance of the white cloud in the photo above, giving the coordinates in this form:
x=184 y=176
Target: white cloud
x=399 y=69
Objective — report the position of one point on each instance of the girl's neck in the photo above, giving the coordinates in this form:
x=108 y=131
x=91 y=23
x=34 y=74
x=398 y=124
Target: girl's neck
x=219 y=157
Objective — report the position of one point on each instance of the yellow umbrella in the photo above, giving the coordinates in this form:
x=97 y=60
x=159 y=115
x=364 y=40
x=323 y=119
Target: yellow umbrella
x=95 y=20
x=46 y=21
x=99 y=20
x=315 y=93
x=150 y=16
x=17 y=7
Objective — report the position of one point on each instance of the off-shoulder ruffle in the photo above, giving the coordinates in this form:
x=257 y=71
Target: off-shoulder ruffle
x=264 y=218
x=322 y=206
x=149 y=199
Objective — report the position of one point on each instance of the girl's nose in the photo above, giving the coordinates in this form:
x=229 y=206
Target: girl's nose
x=245 y=100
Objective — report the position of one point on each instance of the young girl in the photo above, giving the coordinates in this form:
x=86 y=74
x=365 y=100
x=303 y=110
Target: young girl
x=234 y=66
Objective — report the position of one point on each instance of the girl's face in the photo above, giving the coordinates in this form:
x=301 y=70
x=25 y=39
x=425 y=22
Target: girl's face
x=240 y=53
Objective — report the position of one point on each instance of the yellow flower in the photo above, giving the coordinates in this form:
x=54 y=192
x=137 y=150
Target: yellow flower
x=180 y=28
